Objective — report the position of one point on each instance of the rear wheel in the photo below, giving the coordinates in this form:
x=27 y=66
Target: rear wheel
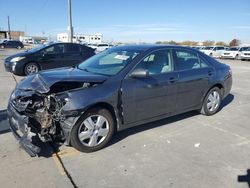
x=31 y=68
x=212 y=102
x=18 y=47
x=94 y=130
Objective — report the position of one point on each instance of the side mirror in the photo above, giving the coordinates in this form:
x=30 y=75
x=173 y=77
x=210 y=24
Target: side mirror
x=139 y=73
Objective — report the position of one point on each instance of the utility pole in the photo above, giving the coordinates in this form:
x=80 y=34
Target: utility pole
x=70 y=27
x=9 y=27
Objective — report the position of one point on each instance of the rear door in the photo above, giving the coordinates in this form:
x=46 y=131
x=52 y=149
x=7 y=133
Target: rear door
x=194 y=76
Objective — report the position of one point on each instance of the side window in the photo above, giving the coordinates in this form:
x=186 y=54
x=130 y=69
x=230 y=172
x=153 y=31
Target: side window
x=157 y=62
x=72 y=48
x=55 y=49
x=85 y=49
x=220 y=48
x=203 y=63
x=186 y=60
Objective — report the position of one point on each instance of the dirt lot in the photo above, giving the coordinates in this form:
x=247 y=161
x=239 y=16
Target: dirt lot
x=189 y=150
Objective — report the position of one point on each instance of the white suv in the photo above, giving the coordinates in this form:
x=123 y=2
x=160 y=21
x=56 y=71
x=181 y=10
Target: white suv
x=245 y=55
x=233 y=52
x=102 y=47
x=214 y=51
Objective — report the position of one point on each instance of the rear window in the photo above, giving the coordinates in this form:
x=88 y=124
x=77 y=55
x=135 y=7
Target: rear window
x=102 y=45
x=187 y=60
x=72 y=48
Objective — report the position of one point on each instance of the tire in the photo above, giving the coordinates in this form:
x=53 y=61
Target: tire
x=31 y=68
x=237 y=57
x=2 y=47
x=19 y=47
x=213 y=97
x=211 y=54
x=93 y=138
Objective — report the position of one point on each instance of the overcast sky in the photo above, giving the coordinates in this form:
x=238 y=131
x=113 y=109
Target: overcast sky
x=133 y=20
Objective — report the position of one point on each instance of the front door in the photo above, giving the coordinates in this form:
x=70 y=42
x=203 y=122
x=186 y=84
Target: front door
x=52 y=57
x=145 y=98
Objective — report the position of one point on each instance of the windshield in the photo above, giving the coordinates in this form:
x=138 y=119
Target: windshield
x=37 y=48
x=109 y=62
x=208 y=48
x=232 y=49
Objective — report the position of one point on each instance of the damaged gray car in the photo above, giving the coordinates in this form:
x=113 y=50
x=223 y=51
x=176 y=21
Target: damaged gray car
x=122 y=87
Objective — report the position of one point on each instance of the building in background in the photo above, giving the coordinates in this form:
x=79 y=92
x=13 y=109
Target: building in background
x=15 y=35
x=81 y=38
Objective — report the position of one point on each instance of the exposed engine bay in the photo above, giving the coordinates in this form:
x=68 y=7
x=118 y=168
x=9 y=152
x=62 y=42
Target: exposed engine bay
x=45 y=110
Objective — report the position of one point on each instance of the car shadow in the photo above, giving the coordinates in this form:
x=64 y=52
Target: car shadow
x=226 y=101
x=134 y=130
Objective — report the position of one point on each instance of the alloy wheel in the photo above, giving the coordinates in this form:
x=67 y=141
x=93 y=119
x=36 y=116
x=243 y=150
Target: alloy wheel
x=213 y=101
x=93 y=130
x=30 y=69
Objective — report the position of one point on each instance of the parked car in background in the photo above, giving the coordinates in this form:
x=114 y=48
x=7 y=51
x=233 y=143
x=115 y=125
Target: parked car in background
x=245 y=55
x=100 y=47
x=47 y=57
x=233 y=52
x=198 y=47
x=214 y=51
x=114 y=90
x=11 y=44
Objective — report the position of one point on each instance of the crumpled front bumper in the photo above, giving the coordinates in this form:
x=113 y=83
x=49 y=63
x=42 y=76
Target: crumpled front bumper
x=19 y=127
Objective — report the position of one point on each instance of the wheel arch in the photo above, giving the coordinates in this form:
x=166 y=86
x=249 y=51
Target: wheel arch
x=39 y=66
x=219 y=85
x=106 y=106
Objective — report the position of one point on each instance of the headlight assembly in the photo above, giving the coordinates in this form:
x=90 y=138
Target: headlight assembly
x=15 y=59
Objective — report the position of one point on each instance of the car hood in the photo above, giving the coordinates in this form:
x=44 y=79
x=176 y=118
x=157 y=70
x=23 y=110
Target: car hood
x=42 y=81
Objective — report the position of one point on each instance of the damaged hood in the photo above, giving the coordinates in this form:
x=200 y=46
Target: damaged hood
x=42 y=81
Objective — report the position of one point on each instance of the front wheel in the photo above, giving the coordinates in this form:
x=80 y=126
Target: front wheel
x=93 y=131
x=31 y=68
x=212 y=102
x=2 y=47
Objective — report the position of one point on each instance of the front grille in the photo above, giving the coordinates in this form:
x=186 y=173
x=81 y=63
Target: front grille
x=246 y=53
x=226 y=53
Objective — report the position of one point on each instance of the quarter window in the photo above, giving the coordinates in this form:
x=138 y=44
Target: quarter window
x=186 y=60
x=55 y=49
x=72 y=48
x=157 y=62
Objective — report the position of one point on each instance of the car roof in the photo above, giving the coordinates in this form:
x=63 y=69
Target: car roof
x=145 y=47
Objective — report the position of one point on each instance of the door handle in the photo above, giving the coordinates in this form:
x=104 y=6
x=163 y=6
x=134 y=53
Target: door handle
x=210 y=73
x=172 y=80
